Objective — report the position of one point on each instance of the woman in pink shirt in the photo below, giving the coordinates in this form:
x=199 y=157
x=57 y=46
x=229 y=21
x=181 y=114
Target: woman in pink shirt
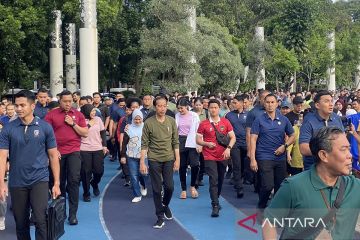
x=187 y=123
x=92 y=151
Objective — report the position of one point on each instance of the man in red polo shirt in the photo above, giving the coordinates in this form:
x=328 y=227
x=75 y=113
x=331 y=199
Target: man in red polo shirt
x=69 y=126
x=215 y=155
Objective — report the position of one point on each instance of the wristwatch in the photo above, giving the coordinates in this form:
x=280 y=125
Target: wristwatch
x=286 y=146
x=229 y=147
x=74 y=124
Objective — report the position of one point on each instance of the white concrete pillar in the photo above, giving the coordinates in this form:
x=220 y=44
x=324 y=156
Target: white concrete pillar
x=56 y=55
x=70 y=57
x=357 y=78
x=260 y=70
x=192 y=23
x=88 y=49
x=331 y=69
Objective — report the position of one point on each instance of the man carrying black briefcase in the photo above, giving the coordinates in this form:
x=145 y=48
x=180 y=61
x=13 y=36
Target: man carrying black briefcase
x=30 y=144
x=56 y=216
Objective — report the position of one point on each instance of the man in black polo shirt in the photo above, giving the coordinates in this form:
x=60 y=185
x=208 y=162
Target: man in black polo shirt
x=30 y=143
x=297 y=108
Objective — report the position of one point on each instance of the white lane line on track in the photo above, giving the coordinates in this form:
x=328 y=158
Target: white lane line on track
x=101 y=215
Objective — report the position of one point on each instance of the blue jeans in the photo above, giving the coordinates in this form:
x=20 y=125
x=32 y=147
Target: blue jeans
x=136 y=177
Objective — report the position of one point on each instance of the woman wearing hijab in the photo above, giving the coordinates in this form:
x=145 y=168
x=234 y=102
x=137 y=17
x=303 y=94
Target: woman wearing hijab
x=188 y=123
x=92 y=151
x=130 y=152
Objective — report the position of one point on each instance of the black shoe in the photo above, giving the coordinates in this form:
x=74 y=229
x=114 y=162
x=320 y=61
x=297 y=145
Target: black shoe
x=159 y=223
x=87 y=199
x=215 y=211
x=240 y=193
x=228 y=175
x=73 y=220
x=201 y=183
x=127 y=184
x=167 y=213
x=96 y=190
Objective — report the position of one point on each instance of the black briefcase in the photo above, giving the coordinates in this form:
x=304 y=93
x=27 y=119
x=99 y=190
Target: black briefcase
x=56 y=215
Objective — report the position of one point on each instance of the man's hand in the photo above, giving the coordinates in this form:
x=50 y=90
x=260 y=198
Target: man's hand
x=176 y=165
x=105 y=150
x=289 y=158
x=226 y=154
x=280 y=150
x=253 y=165
x=127 y=127
x=199 y=149
x=69 y=120
x=210 y=145
x=143 y=168
x=56 y=191
x=3 y=191
x=123 y=160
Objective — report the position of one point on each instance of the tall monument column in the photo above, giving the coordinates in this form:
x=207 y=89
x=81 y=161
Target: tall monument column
x=331 y=69
x=56 y=55
x=70 y=57
x=260 y=70
x=88 y=48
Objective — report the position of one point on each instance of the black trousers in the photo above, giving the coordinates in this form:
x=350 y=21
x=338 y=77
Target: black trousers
x=237 y=168
x=36 y=197
x=202 y=167
x=70 y=167
x=216 y=172
x=124 y=167
x=188 y=156
x=161 y=175
x=92 y=168
x=247 y=173
x=272 y=173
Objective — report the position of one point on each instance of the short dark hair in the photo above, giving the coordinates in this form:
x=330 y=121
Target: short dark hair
x=88 y=97
x=320 y=94
x=120 y=100
x=43 y=90
x=77 y=93
x=214 y=101
x=96 y=93
x=198 y=99
x=271 y=95
x=158 y=97
x=238 y=98
x=65 y=93
x=245 y=96
x=184 y=102
x=83 y=98
x=322 y=141
x=30 y=96
x=131 y=100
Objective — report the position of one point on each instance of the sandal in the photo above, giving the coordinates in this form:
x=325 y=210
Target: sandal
x=194 y=193
x=183 y=195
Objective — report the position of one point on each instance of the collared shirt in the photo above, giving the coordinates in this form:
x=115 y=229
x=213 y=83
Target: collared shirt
x=208 y=133
x=27 y=145
x=311 y=125
x=6 y=119
x=40 y=111
x=117 y=114
x=146 y=111
x=257 y=111
x=238 y=122
x=299 y=197
x=66 y=137
x=271 y=135
x=355 y=118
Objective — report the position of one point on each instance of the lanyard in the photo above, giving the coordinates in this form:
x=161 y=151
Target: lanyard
x=328 y=206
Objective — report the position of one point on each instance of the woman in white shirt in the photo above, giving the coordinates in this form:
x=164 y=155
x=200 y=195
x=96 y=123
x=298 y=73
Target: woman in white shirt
x=187 y=123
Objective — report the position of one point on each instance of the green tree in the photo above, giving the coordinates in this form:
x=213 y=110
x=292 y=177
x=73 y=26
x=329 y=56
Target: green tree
x=169 y=44
x=219 y=57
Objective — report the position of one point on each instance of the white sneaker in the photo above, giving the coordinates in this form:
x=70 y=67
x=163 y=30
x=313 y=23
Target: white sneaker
x=136 y=199
x=2 y=223
x=143 y=190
